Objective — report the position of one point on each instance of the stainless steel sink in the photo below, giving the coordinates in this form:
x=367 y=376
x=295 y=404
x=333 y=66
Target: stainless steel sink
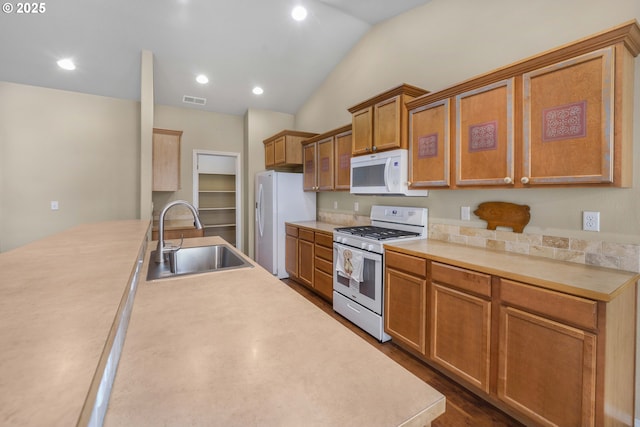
x=200 y=259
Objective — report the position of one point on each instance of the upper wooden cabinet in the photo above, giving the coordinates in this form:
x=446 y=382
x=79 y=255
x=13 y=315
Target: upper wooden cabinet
x=283 y=151
x=166 y=160
x=326 y=159
x=484 y=135
x=429 y=145
x=563 y=117
x=569 y=109
x=380 y=123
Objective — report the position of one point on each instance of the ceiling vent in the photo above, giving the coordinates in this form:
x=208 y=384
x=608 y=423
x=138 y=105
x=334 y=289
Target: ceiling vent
x=194 y=100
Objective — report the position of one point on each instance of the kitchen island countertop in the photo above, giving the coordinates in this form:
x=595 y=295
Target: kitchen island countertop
x=59 y=297
x=238 y=348
x=225 y=348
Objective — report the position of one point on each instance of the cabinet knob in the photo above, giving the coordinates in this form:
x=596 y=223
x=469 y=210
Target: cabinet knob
x=508 y=180
x=524 y=180
x=374 y=148
x=409 y=183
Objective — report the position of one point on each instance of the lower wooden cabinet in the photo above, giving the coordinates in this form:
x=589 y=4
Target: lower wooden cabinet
x=323 y=263
x=547 y=370
x=291 y=251
x=305 y=256
x=309 y=259
x=460 y=308
x=405 y=300
x=546 y=357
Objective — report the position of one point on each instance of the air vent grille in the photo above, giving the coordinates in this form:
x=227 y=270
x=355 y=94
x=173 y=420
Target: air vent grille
x=194 y=100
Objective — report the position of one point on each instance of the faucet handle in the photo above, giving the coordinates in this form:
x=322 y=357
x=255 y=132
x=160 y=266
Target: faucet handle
x=169 y=247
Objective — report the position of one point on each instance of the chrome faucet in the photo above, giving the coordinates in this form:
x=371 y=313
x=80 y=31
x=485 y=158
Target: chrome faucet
x=162 y=249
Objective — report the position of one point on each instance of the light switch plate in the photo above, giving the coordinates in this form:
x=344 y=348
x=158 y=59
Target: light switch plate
x=54 y=205
x=465 y=213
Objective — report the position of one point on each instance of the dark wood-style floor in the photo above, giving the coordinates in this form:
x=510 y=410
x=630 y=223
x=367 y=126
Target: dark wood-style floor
x=463 y=407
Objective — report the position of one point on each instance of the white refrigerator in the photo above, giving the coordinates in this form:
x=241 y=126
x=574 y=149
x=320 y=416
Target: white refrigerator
x=279 y=198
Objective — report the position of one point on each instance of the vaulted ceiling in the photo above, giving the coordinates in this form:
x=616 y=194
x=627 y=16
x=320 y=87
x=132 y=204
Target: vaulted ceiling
x=237 y=44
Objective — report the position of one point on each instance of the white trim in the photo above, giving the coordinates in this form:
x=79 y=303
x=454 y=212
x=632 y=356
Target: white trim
x=239 y=193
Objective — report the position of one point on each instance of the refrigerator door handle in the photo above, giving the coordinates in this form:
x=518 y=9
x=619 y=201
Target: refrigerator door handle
x=260 y=210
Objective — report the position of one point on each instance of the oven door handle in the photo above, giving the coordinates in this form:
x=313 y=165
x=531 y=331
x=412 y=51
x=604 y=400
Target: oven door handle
x=353 y=308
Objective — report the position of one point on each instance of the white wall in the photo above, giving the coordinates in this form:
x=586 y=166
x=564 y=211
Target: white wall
x=81 y=150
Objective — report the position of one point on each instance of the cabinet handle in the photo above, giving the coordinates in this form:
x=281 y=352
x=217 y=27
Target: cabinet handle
x=508 y=180
x=366 y=149
x=524 y=180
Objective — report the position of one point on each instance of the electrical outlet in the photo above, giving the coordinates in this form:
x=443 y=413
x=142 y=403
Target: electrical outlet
x=465 y=213
x=356 y=206
x=335 y=204
x=590 y=221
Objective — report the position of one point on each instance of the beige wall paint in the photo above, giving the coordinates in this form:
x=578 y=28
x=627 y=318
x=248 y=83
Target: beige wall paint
x=81 y=150
x=445 y=42
x=201 y=130
x=259 y=125
x=146 y=134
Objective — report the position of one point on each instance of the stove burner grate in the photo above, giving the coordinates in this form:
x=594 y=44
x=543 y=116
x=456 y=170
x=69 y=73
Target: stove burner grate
x=377 y=233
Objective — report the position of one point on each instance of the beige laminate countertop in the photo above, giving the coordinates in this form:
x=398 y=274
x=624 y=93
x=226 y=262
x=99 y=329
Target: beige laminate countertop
x=316 y=225
x=239 y=348
x=596 y=283
x=58 y=300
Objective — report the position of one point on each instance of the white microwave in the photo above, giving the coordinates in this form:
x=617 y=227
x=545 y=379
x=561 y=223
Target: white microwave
x=382 y=173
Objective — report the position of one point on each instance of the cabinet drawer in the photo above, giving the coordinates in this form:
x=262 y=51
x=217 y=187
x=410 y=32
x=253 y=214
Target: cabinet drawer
x=325 y=240
x=291 y=230
x=324 y=253
x=305 y=235
x=408 y=263
x=324 y=265
x=574 y=310
x=323 y=283
x=461 y=278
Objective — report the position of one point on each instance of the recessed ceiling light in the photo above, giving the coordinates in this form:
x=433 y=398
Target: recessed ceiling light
x=66 y=64
x=202 y=79
x=257 y=90
x=299 y=13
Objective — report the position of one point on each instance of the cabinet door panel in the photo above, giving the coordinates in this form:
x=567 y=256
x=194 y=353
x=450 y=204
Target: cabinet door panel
x=461 y=332
x=429 y=145
x=405 y=308
x=362 y=138
x=269 y=155
x=309 y=182
x=166 y=160
x=547 y=370
x=568 y=132
x=386 y=124
x=325 y=164
x=343 y=161
x=323 y=283
x=280 y=151
x=291 y=254
x=305 y=261
x=484 y=135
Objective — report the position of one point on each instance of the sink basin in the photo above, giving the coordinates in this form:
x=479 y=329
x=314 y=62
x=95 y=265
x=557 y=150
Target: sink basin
x=200 y=259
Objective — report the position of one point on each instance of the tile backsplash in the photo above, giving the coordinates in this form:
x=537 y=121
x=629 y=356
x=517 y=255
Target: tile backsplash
x=592 y=252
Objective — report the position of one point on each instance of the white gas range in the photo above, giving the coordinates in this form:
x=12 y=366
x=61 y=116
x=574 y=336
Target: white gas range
x=358 y=253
